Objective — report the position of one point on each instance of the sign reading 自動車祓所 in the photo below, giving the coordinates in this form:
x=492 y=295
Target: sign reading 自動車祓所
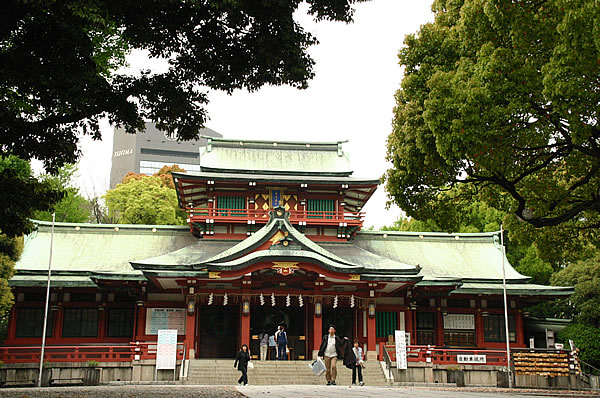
x=480 y=359
x=166 y=349
x=165 y=318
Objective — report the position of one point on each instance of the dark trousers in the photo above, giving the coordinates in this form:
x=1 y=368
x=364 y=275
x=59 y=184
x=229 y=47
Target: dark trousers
x=244 y=377
x=281 y=355
x=356 y=367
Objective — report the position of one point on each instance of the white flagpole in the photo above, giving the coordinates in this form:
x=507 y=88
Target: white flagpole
x=47 y=301
x=505 y=308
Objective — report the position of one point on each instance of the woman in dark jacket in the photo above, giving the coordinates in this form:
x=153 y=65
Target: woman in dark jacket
x=241 y=363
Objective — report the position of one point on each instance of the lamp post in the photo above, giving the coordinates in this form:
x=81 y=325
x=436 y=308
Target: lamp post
x=39 y=383
x=502 y=251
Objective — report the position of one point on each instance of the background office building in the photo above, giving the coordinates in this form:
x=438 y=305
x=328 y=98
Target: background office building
x=149 y=150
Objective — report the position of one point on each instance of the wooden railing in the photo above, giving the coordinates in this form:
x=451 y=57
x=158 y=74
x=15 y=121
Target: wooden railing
x=260 y=216
x=444 y=356
x=83 y=353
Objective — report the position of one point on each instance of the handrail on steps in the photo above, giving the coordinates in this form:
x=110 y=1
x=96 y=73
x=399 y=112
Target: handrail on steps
x=388 y=363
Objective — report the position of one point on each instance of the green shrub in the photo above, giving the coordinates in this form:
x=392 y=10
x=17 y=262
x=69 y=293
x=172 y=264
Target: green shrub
x=93 y=364
x=586 y=338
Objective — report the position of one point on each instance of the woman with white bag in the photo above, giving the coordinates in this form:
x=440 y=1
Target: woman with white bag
x=241 y=363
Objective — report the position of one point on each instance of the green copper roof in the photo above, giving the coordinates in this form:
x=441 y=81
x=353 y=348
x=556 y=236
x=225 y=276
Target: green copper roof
x=56 y=281
x=470 y=257
x=93 y=248
x=335 y=257
x=274 y=157
x=514 y=289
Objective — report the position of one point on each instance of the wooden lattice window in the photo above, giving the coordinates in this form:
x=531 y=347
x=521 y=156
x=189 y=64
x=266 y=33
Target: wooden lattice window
x=494 y=329
x=120 y=322
x=232 y=203
x=425 y=328
x=386 y=323
x=80 y=322
x=30 y=322
x=320 y=208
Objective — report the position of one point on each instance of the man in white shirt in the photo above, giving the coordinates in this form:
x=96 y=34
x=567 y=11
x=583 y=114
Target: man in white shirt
x=331 y=350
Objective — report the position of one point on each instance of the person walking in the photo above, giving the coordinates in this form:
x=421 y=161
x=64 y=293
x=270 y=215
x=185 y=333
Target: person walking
x=332 y=348
x=357 y=366
x=241 y=363
x=282 y=341
x=264 y=345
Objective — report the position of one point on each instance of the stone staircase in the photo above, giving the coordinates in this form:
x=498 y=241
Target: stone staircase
x=222 y=372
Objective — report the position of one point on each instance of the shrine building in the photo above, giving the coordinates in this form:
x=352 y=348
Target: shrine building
x=274 y=236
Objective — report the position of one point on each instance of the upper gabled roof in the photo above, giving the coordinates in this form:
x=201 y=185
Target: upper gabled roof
x=274 y=157
x=297 y=248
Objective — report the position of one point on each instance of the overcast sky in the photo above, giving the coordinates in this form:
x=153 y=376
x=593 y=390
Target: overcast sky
x=351 y=97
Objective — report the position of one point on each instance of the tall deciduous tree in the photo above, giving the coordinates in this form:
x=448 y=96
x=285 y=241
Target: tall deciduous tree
x=72 y=207
x=142 y=199
x=58 y=58
x=501 y=96
x=22 y=195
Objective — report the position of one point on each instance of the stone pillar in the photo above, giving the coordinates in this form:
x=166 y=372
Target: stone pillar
x=317 y=332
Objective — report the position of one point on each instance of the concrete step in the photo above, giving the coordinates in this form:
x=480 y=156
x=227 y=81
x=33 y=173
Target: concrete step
x=222 y=372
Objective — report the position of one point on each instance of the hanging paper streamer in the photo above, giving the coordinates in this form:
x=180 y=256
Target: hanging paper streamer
x=300 y=301
x=287 y=300
x=335 y=301
x=262 y=299
x=210 y=299
x=272 y=299
x=352 y=301
x=225 y=298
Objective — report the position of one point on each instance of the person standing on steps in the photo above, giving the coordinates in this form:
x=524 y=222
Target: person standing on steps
x=241 y=363
x=264 y=345
x=357 y=366
x=332 y=348
x=282 y=341
x=272 y=348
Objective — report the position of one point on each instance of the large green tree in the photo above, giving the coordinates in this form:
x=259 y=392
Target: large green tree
x=58 y=62
x=72 y=207
x=502 y=97
x=142 y=199
x=22 y=195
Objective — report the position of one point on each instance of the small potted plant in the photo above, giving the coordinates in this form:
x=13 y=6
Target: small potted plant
x=91 y=375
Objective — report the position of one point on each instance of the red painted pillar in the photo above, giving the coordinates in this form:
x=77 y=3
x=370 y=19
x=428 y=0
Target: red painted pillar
x=479 y=337
x=317 y=333
x=371 y=337
x=440 y=329
x=190 y=333
x=519 y=328
x=12 y=323
x=245 y=327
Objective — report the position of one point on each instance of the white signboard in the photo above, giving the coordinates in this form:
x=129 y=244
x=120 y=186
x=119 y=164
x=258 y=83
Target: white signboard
x=479 y=359
x=166 y=349
x=459 y=321
x=165 y=318
x=400 y=338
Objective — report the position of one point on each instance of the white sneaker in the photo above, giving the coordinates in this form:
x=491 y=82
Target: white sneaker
x=362 y=383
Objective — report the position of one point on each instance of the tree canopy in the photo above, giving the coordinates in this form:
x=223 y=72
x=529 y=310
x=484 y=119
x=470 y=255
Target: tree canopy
x=501 y=98
x=22 y=196
x=58 y=61
x=72 y=207
x=142 y=199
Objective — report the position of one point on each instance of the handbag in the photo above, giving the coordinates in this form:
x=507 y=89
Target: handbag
x=250 y=365
x=318 y=367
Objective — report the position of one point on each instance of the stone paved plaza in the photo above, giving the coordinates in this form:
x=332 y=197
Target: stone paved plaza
x=295 y=391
